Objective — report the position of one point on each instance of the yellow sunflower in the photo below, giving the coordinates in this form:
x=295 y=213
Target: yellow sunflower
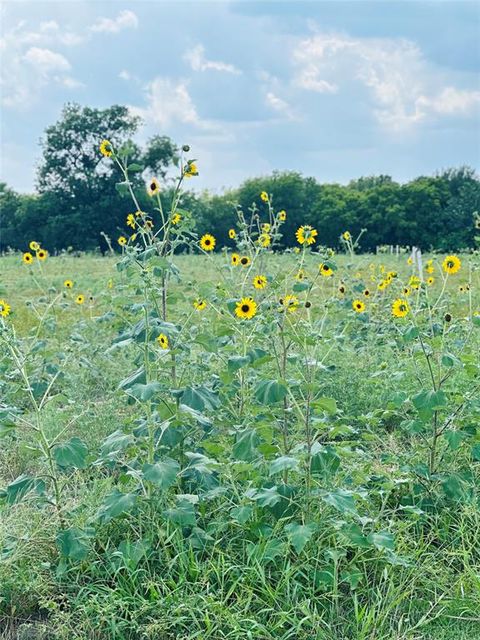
x=232 y=234
x=122 y=241
x=415 y=282
x=260 y=282
x=244 y=261
x=246 y=308
x=163 y=341
x=264 y=196
x=290 y=303
x=207 y=242
x=406 y=291
x=153 y=187
x=264 y=240
x=235 y=259
x=430 y=281
x=382 y=285
x=27 y=258
x=367 y=293
x=400 y=308
x=34 y=246
x=306 y=234
x=176 y=218
x=199 y=304
x=42 y=254
x=131 y=220
x=106 y=148
x=265 y=227
x=358 y=306
x=80 y=299
x=451 y=264
x=191 y=170
x=341 y=289
x=282 y=215
x=4 y=308
x=301 y=275
x=346 y=235
x=68 y=284
x=325 y=270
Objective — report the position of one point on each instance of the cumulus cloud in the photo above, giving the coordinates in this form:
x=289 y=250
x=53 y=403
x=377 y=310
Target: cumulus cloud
x=198 y=62
x=403 y=87
x=126 y=19
x=46 y=61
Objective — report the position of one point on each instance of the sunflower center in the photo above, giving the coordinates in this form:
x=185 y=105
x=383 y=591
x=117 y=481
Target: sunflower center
x=245 y=308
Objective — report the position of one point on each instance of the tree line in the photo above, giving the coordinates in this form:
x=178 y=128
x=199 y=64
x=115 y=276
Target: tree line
x=76 y=201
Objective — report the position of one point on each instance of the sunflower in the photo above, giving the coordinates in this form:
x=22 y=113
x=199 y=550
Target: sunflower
x=346 y=235
x=244 y=261
x=358 y=306
x=131 y=220
x=400 y=308
x=68 y=284
x=430 y=281
x=282 y=215
x=325 y=270
x=301 y=275
x=191 y=170
x=163 y=341
x=235 y=259
x=308 y=304
x=80 y=299
x=264 y=196
x=42 y=254
x=207 y=242
x=260 y=282
x=451 y=264
x=306 y=234
x=232 y=234
x=382 y=285
x=415 y=282
x=264 y=240
x=176 y=218
x=149 y=224
x=199 y=304
x=27 y=258
x=406 y=291
x=461 y=289
x=34 y=246
x=122 y=241
x=392 y=274
x=106 y=148
x=366 y=293
x=341 y=289
x=447 y=317
x=153 y=187
x=429 y=268
x=410 y=261
x=290 y=303
x=265 y=227
x=4 y=308
x=246 y=308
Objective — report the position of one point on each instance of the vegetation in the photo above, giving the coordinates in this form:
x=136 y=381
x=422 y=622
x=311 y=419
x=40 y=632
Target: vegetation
x=77 y=202
x=238 y=444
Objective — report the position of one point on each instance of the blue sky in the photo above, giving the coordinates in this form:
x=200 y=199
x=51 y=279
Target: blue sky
x=335 y=89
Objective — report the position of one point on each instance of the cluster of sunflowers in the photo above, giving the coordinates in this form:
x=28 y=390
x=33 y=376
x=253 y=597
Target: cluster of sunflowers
x=36 y=252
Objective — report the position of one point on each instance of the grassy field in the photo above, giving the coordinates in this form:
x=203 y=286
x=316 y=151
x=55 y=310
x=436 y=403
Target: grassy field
x=306 y=472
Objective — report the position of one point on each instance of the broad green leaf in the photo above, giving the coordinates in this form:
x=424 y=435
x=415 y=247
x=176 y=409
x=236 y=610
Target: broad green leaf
x=245 y=448
x=325 y=461
x=129 y=553
x=200 y=399
x=134 y=167
x=163 y=473
x=242 y=514
x=71 y=454
x=266 y=550
x=300 y=534
x=22 y=486
x=183 y=514
x=342 y=500
x=270 y=391
x=115 y=444
x=429 y=400
x=115 y=504
x=266 y=497
x=74 y=543
x=354 y=534
x=382 y=540
x=144 y=392
x=282 y=464
x=237 y=362
x=326 y=404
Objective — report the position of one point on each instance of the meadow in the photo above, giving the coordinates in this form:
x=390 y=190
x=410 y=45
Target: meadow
x=247 y=444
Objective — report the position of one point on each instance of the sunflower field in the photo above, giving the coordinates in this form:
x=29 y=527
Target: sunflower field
x=200 y=443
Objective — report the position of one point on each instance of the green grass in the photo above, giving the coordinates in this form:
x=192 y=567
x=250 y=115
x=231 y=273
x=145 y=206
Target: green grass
x=214 y=580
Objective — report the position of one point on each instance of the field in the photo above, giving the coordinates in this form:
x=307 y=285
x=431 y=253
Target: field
x=290 y=460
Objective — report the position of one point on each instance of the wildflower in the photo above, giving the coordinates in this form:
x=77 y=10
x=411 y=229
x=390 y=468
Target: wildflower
x=131 y=220
x=176 y=218
x=410 y=261
x=325 y=270
x=308 y=304
x=451 y=264
x=232 y=234
x=153 y=187
x=429 y=268
x=430 y=281
x=264 y=196
x=4 y=308
x=106 y=148
x=282 y=215
x=306 y=234
x=27 y=258
x=358 y=306
x=34 y=246
x=392 y=274
x=301 y=275
x=400 y=308
x=244 y=261
x=235 y=259
x=163 y=341
x=260 y=282
x=265 y=227
x=264 y=240
x=296 y=249
x=382 y=285
x=415 y=282
x=406 y=291
x=42 y=254
x=207 y=242
x=199 y=304
x=149 y=224
x=447 y=317
x=80 y=299
x=191 y=170
x=133 y=237
x=461 y=289
x=246 y=308
x=341 y=289
x=122 y=241
x=346 y=235
x=290 y=303
x=366 y=293
x=68 y=284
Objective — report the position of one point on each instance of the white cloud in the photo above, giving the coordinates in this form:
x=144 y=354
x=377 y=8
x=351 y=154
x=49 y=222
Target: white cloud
x=280 y=105
x=46 y=61
x=168 y=102
x=124 y=75
x=403 y=87
x=126 y=19
x=198 y=62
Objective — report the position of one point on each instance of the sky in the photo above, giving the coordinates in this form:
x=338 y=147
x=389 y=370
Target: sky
x=335 y=90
